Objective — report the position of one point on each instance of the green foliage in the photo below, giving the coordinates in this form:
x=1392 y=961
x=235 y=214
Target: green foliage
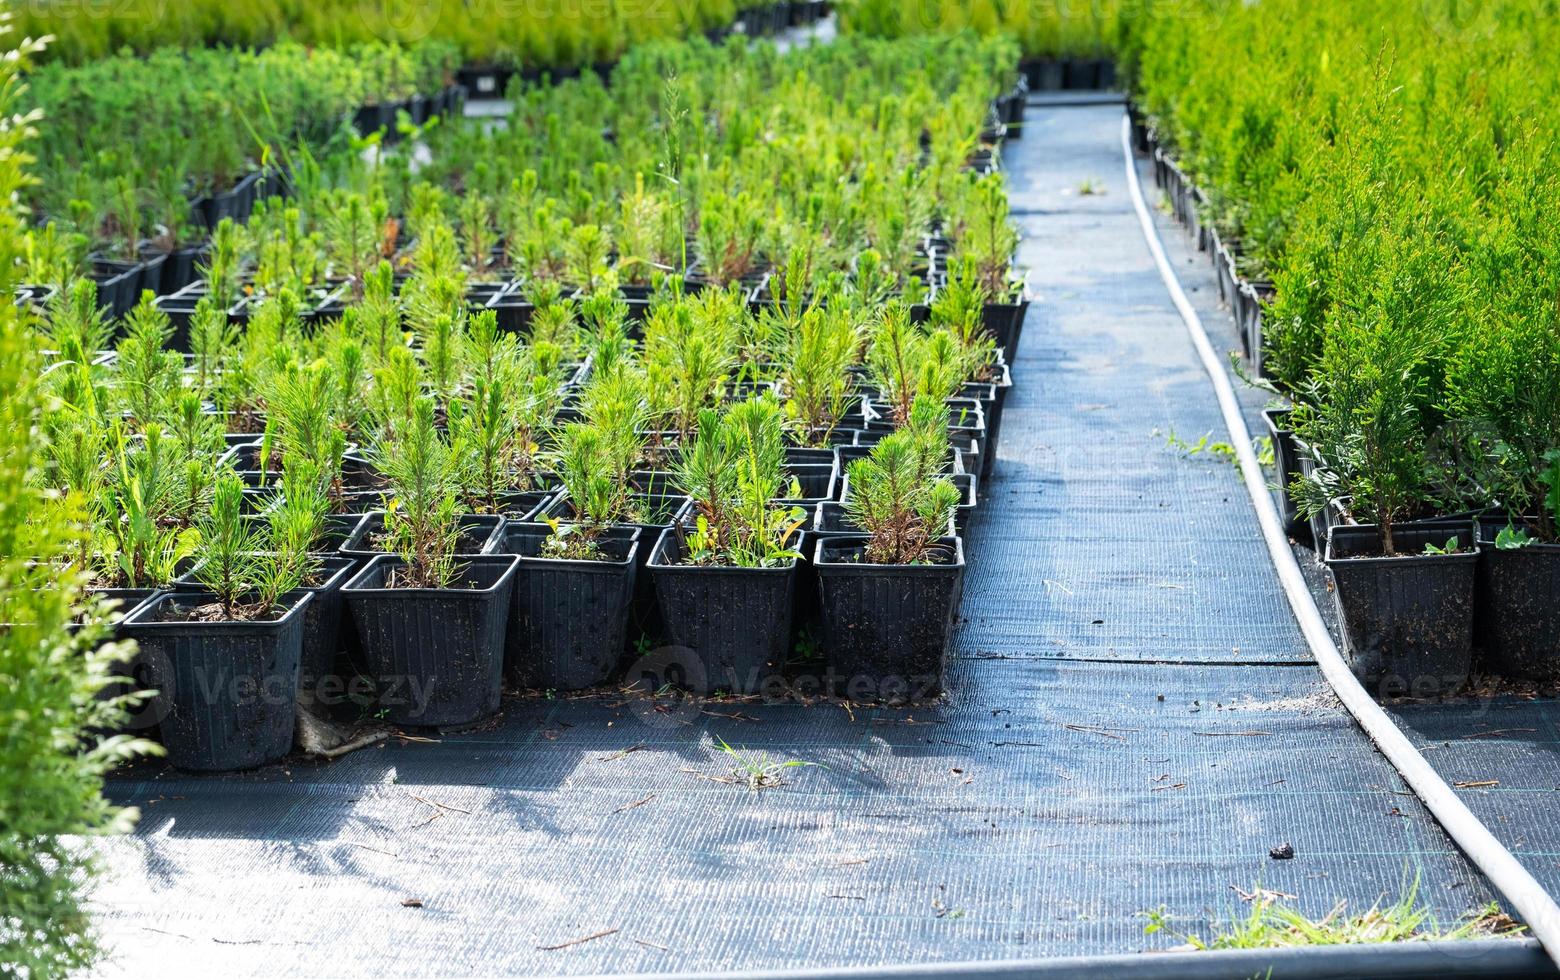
x=596 y=489
x=247 y=578
x=427 y=471
x=51 y=767
x=1271 y=923
x=815 y=359
x=734 y=469
x=899 y=498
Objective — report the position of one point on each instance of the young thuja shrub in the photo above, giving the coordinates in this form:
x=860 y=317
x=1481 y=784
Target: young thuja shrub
x=1367 y=428
x=247 y=579
x=427 y=471
x=51 y=763
x=734 y=469
x=815 y=377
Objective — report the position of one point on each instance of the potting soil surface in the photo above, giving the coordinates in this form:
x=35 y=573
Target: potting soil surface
x=1134 y=725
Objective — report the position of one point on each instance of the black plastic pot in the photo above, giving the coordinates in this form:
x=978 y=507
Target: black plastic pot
x=117 y=284
x=887 y=627
x=143 y=717
x=1408 y=621
x=436 y=656
x=569 y=619
x=182 y=267
x=152 y=266
x=480 y=534
x=1518 y=605
x=654 y=513
x=1286 y=460
x=735 y=623
x=512 y=309
x=1005 y=322
x=322 y=626
x=226 y=690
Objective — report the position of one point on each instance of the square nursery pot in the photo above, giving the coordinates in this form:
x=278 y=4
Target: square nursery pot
x=117 y=286
x=1407 y=619
x=569 y=618
x=480 y=534
x=1286 y=460
x=1519 y=605
x=733 y=624
x=886 y=627
x=225 y=690
x=143 y=717
x=436 y=656
x=322 y=627
x=1005 y=323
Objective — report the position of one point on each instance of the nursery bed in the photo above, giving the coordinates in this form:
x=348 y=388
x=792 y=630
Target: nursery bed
x=1082 y=772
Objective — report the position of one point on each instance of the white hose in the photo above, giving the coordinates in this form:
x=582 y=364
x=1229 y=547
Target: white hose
x=1504 y=871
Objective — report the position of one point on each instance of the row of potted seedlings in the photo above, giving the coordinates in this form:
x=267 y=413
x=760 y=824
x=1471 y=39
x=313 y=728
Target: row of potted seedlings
x=458 y=571
x=146 y=157
x=1414 y=448
x=399 y=491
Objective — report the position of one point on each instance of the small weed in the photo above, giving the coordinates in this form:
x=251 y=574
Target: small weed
x=1090 y=187
x=1206 y=446
x=1452 y=547
x=756 y=770
x=1271 y=923
x=1510 y=538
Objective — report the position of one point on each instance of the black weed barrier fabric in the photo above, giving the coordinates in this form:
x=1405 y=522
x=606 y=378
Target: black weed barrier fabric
x=1080 y=774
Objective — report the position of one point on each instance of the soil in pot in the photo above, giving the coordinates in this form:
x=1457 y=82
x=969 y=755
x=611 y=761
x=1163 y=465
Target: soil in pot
x=1407 y=618
x=734 y=624
x=569 y=619
x=480 y=534
x=1518 y=603
x=226 y=689
x=436 y=656
x=886 y=627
